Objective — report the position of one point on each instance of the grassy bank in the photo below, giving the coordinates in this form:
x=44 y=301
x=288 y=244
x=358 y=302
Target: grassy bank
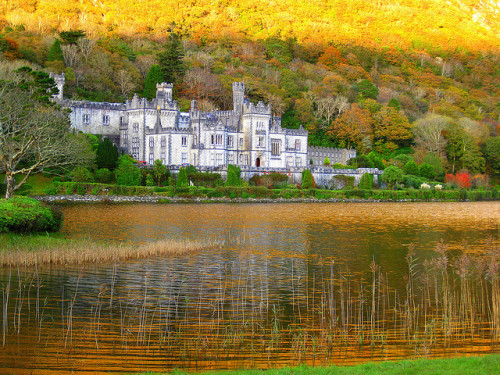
x=488 y=364
x=39 y=249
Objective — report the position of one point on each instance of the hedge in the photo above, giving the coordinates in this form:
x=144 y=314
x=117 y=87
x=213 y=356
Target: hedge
x=25 y=215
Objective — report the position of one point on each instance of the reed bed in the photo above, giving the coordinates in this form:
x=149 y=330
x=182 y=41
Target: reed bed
x=87 y=251
x=227 y=316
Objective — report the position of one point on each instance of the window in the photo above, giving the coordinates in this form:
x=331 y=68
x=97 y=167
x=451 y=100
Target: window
x=135 y=147
x=229 y=141
x=184 y=141
x=260 y=141
x=230 y=159
x=194 y=140
x=289 y=161
x=218 y=139
x=105 y=120
x=275 y=146
x=86 y=118
x=151 y=142
x=298 y=162
x=135 y=127
x=212 y=139
x=243 y=159
x=184 y=157
x=163 y=141
x=297 y=144
x=151 y=158
x=219 y=159
x=241 y=142
x=163 y=158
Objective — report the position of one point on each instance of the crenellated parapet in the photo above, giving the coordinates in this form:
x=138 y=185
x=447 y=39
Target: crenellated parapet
x=92 y=105
x=155 y=104
x=260 y=108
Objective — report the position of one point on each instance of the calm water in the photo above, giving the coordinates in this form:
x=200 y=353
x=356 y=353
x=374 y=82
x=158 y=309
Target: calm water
x=291 y=282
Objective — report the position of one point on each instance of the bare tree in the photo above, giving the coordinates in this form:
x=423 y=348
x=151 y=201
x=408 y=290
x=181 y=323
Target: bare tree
x=86 y=47
x=34 y=136
x=71 y=55
x=428 y=133
x=331 y=106
x=125 y=82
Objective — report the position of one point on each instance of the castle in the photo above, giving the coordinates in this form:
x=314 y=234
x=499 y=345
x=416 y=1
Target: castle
x=247 y=136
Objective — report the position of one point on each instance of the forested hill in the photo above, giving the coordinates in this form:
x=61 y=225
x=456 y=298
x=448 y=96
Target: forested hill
x=386 y=76
x=468 y=24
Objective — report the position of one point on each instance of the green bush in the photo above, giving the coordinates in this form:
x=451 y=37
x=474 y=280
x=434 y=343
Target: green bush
x=366 y=182
x=103 y=175
x=182 y=179
x=127 y=173
x=25 y=215
x=81 y=174
x=307 y=180
x=411 y=168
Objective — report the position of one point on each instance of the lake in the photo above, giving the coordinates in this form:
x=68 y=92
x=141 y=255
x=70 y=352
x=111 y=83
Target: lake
x=293 y=283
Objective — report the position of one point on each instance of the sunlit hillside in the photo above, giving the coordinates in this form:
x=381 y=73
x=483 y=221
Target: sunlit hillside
x=468 y=24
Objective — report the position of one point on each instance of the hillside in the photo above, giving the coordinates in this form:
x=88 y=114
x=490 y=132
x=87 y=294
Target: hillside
x=391 y=77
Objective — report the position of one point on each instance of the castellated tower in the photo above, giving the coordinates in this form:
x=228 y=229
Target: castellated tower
x=59 y=79
x=238 y=96
x=164 y=91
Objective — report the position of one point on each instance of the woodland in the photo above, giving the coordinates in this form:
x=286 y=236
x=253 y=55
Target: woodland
x=403 y=80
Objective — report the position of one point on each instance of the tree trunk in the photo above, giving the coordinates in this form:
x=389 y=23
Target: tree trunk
x=11 y=185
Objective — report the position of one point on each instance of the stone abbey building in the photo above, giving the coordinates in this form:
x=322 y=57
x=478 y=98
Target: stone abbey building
x=247 y=136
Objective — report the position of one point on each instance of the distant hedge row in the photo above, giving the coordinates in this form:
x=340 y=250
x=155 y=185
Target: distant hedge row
x=24 y=215
x=69 y=188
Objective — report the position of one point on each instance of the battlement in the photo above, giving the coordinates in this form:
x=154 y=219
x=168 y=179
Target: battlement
x=239 y=86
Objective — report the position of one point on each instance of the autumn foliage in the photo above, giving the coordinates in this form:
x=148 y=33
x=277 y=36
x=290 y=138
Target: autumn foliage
x=462 y=179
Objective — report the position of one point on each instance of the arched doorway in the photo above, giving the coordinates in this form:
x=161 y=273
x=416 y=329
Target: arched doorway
x=257 y=162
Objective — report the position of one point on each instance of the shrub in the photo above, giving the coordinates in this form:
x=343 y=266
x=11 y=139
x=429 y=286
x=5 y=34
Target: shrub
x=103 y=175
x=25 y=215
x=392 y=175
x=307 y=180
x=182 y=179
x=326 y=162
x=81 y=174
x=427 y=171
x=341 y=182
x=411 y=168
x=366 y=182
x=149 y=180
x=233 y=175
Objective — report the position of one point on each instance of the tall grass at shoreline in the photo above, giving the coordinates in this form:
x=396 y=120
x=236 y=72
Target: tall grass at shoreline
x=224 y=316
x=35 y=250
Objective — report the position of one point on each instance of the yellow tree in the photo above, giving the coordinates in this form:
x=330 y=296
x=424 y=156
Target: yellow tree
x=352 y=127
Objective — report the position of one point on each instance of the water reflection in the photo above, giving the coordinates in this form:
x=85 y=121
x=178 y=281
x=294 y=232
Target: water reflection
x=294 y=283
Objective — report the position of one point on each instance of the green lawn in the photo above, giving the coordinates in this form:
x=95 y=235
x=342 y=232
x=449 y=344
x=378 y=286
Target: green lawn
x=484 y=365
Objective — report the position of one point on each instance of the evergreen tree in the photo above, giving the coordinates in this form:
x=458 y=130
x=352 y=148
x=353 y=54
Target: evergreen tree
x=160 y=171
x=106 y=155
x=307 y=180
x=182 y=178
x=366 y=182
x=171 y=60
x=233 y=175
x=55 y=52
x=154 y=76
x=327 y=161
x=427 y=171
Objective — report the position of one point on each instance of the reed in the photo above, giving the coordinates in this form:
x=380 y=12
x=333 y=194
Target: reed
x=87 y=251
x=227 y=314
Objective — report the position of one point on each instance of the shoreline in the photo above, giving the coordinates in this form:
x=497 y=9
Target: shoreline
x=163 y=199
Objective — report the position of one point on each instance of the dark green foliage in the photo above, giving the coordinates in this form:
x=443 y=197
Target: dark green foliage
x=307 y=180
x=25 y=215
x=360 y=161
x=39 y=84
x=170 y=60
x=72 y=36
x=427 y=171
x=392 y=175
x=326 y=162
x=81 y=174
x=366 y=89
x=204 y=179
x=55 y=52
x=103 y=175
x=492 y=155
x=150 y=180
x=394 y=104
x=278 y=49
x=160 y=172
x=182 y=178
x=106 y=154
x=366 y=182
x=154 y=76
x=411 y=168
x=376 y=160
x=271 y=180
x=412 y=181
x=436 y=163
x=233 y=175
x=127 y=173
